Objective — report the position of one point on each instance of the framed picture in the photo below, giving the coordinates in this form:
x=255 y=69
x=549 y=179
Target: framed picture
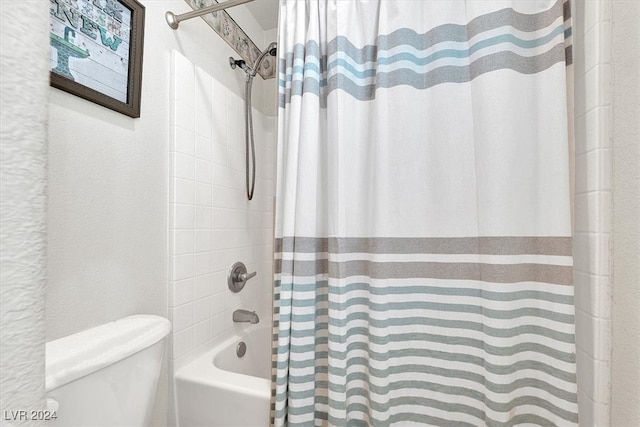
x=96 y=51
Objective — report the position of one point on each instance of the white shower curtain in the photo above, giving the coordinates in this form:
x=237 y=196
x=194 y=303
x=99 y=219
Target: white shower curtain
x=423 y=230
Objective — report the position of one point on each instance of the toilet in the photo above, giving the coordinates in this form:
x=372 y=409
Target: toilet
x=107 y=375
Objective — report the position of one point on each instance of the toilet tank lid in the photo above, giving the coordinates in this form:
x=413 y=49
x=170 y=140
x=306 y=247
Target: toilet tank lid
x=83 y=353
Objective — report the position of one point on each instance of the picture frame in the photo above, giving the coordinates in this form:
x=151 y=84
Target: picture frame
x=96 y=51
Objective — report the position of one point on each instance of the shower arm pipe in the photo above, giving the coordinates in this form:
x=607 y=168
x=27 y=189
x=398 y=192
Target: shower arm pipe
x=174 y=20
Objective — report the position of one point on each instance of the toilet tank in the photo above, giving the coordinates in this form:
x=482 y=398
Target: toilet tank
x=107 y=375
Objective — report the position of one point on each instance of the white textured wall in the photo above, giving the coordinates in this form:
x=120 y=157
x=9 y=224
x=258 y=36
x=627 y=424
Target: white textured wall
x=592 y=222
x=625 y=373
x=23 y=100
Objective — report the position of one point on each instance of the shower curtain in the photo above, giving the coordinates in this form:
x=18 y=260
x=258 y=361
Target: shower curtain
x=423 y=268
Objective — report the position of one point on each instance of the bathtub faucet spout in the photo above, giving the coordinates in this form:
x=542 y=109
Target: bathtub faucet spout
x=245 y=316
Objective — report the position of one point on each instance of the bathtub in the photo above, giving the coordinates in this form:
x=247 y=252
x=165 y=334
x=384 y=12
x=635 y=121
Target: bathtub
x=219 y=389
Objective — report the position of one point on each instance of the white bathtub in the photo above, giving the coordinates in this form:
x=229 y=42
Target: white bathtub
x=219 y=389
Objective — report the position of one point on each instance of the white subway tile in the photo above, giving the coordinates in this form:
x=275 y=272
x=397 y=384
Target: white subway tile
x=219 y=238
x=581 y=253
x=601 y=415
x=235 y=139
x=601 y=291
x=227 y=320
x=601 y=339
x=232 y=300
x=172 y=119
x=218 y=93
x=219 y=127
x=203 y=240
x=202 y=285
x=202 y=349
x=202 y=263
x=201 y=334
x=219 y=153
x=182 y=317
x=237 y=160
x=183 y=266
x=204 y=148
x=590 y=256
x=234 y=119
x=239 y=200
x=604 y=170
x=183 y=166
x=203 y=126
x=604 y=11
x=243 y=237
x=593 y=335
x=226 y=177
x=222 y=197
x=182 y=343
x=204 y=194
x=586 y=409
x=184 y=191
x=605 y=42
x=593 y=130
x=224 y=259
x=598 y=87
x=182 y=292
x=593 y=171
x=222 y=217
x=217 y=303
x=602 y=258
x=594 y=12
x=592 y=294
x=203 y=217
x=591 y=54
x=219 y=283
x=602 y=382
x=217 y=324
x=183 y=216
x=184 y=115
x=202 y=309
x=593 y=377
x=204 y=171
x=183 y=141
x=237 y=181
x=183 y=241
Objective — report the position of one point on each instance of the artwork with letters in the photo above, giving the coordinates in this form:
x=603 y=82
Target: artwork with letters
x=96 y=51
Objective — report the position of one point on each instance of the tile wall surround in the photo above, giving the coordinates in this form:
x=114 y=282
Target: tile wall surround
x=211 y=222
x=593 y=118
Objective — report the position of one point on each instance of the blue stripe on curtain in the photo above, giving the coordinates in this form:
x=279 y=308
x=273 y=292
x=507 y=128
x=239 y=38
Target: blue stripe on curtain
x=359 y=71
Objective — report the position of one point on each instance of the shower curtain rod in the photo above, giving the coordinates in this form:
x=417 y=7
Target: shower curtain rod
x=174 y=20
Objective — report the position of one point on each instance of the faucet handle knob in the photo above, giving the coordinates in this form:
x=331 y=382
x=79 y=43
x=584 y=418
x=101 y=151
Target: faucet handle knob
x=246 y=276
x=238 y=277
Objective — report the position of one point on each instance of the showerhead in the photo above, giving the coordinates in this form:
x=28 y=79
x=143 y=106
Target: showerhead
x=272 y=48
